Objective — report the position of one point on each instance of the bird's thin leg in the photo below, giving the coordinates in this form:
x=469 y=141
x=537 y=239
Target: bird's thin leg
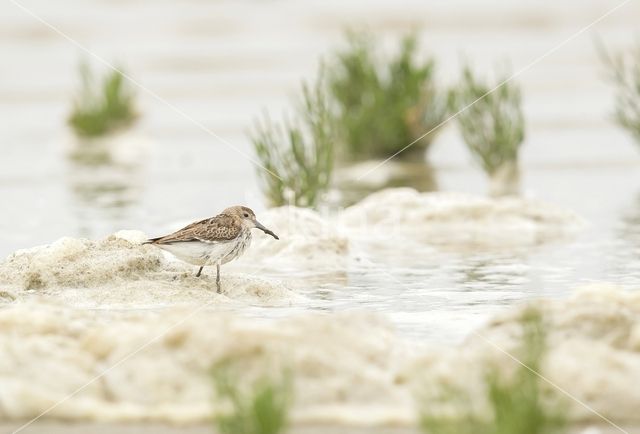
x=199 y=271
x=218 y=277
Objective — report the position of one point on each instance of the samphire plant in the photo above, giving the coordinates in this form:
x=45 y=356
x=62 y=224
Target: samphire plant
x=518 y=404
x=624 y=74
x=382 y=105
x=297 y=154
x=261 y=407
x=491 y=122
x=102 y=106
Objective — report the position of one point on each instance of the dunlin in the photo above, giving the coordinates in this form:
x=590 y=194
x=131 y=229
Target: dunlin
x=213 y=241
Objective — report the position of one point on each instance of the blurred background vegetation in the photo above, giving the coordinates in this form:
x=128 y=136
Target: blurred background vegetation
x=206 y=75
x=364 y=106
x=103 y=104
x=381 y=105
x=492 y=124
x=519 y=402
x=368 y=107
x=297 y=154
x=624 y=74
x=254 y=407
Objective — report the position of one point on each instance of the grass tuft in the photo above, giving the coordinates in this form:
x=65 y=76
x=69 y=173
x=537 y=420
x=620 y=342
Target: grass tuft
x=624 y=74
x=517 y=403
x=380 y=105
x=102 y=107
x=298 y=154
x=261 y=409
x=493 y=126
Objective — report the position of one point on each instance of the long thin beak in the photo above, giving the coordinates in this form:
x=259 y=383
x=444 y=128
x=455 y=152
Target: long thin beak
x=265 y=230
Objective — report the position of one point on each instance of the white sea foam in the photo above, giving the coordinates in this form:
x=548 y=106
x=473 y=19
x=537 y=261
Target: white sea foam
x=120 y=272
x=459 y=220
x=593 y=354
x=307 y=240
x=74 y=308
x=347 y=367
x=339 y=362
x=454 y=221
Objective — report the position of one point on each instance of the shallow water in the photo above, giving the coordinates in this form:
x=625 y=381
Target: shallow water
x=222 y=62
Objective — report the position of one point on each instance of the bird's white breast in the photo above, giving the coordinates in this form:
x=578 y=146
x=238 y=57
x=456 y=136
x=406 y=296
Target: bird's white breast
x=209 y=252
x=242 y=243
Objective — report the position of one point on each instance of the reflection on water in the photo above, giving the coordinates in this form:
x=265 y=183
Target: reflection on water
x=505 y=181
x=629 y=227
x=435 y=296
x=626 y=267
x=500 y=270
x=102 y=183
x=95 y=191
x=359 y=180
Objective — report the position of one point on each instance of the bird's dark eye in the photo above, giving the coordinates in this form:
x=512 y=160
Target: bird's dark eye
x=246 y=215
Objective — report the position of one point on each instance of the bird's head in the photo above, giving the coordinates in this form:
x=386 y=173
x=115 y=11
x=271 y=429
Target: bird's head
x=248 y=219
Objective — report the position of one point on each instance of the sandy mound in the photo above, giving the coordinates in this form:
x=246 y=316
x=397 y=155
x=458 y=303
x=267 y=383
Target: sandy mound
x=340 y=362
x=347 y=367
x=458 y=219
x=593 y=354
x=120 y=272
x=306 y=241
x=311 y=242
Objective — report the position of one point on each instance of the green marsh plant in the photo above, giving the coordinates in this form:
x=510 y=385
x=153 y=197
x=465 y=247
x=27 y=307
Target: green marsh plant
x=261 y=407
x=382 y=105
x=518 y=404
x=492 y=125
x=297 y=154
x=624 y=75
x=102 y=106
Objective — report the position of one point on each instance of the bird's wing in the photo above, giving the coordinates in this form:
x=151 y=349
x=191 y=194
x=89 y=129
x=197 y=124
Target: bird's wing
x=219 y=229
